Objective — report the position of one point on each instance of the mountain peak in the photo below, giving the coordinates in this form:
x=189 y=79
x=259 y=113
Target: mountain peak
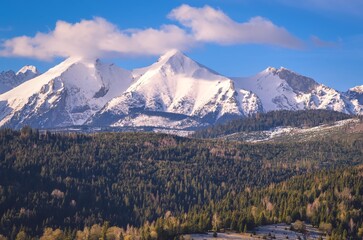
x=296 y=81
x=28 y=69
x=358 y=89
x=172 y=53
x=174 y=57
x=70 y=63
x=172 y=62
x=270 y=70
x=274 y=70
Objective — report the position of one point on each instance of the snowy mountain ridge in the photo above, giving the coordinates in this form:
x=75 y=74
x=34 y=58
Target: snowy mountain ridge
x=65 y=95
x=174 y=93
x=282 y=89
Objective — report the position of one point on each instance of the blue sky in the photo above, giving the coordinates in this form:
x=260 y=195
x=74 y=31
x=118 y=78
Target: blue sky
x=322 y=39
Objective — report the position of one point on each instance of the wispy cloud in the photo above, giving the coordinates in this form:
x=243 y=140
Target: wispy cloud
x=322 y=43
x=98 y=37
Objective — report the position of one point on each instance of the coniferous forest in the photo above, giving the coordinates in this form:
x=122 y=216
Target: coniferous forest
x=157 y=186
x=266 y=121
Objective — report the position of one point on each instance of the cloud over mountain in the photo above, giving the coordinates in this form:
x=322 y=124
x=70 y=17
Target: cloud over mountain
x=98 y=37
x=211 y=25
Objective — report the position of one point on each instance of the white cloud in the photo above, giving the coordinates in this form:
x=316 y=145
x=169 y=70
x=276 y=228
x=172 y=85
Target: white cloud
x=94 y=38
x=211 y=25
x=98 y=37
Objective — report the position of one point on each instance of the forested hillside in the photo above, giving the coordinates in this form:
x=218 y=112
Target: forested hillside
x=331 y=200
x=70 y=181
x=269 y=120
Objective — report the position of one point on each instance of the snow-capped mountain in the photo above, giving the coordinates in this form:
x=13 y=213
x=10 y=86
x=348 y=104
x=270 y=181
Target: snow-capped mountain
x=10 y=79
x=282 y=89
x=179 y=86
x=65 y=95
x=355 y=95
x=173 y=93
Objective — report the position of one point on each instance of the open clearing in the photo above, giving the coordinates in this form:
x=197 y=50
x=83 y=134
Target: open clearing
x=275 y=231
